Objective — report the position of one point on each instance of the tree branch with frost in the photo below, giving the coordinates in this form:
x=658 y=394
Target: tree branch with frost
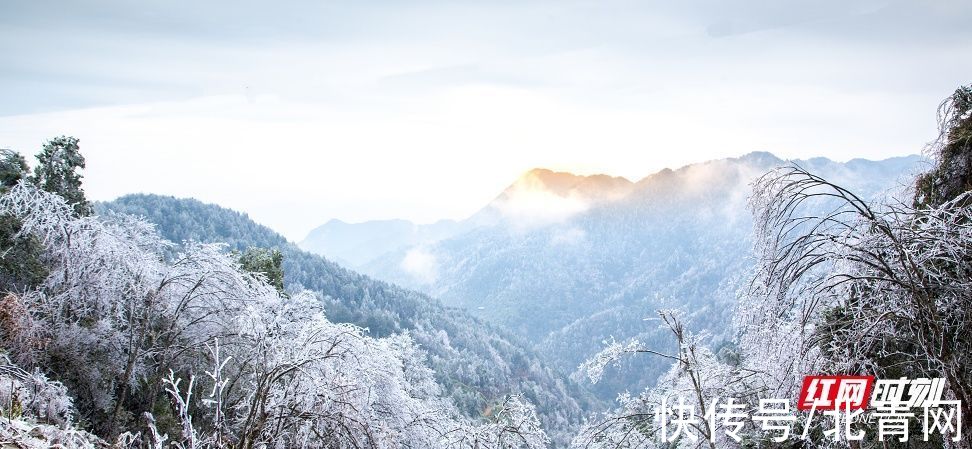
x=190 y=439
x=514 y=425
x=868 y=287
x=697 y=375
x=612 y=354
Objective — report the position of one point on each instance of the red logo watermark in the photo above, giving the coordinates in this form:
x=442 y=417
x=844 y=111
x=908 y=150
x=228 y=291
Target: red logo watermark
x=835 y=392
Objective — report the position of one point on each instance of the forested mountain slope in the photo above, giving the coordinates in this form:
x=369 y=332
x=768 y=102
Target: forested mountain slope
x=475 y=362
x=570 y=261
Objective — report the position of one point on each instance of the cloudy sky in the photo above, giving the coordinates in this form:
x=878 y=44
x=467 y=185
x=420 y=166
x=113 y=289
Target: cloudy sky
x=297 y=112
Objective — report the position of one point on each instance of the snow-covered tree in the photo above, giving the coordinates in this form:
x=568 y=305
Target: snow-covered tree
x=878 y=289
x=182 y=345
x=840 y=285
x=699 y=379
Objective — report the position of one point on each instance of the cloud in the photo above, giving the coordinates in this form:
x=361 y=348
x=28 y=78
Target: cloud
x=301 y=111
x=529 y=203
x=421 y=264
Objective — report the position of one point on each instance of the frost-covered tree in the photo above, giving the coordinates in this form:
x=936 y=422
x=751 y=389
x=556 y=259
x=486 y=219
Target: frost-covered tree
x=513 y=424
x=187 y=347
x=698 y=378
x=19 y=266
x=881 y=288
x=477 y=364
x=884 y=289
x=31 y=395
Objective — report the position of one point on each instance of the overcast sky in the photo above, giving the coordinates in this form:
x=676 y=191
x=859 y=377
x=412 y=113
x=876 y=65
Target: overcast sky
x=298 y=112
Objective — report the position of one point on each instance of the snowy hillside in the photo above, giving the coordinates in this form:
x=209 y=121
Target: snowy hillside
x=569 y=261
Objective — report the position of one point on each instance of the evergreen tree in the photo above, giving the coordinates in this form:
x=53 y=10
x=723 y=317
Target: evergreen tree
x=268 y=262
x=13 y=168
x=57 y=172
x=952 y=150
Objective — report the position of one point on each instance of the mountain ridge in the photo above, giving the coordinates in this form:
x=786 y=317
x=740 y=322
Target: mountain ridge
x=678 y=239
x=356 y=244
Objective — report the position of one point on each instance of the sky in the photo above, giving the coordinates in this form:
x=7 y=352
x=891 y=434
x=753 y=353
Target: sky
x=297 y=112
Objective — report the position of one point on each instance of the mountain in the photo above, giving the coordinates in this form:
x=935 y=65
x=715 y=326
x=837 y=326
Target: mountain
x=537 y=197
x=360 y=243
x=477 y=363
x=541 y=197
x=569 y=261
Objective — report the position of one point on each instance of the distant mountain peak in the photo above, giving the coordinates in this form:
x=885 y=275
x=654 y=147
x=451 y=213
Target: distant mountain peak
x=760 y=157
x=566 y=184
x=542 y=196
